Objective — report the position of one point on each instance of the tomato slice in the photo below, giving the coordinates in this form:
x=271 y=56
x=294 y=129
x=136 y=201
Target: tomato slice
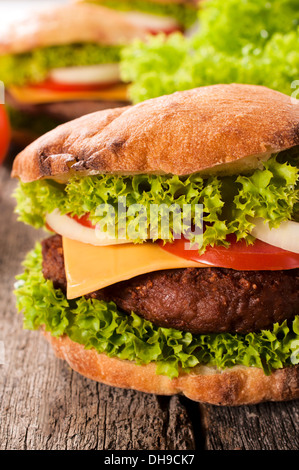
x=83 y=220
x=50 y=85
x=5 y=133
x=239 y=255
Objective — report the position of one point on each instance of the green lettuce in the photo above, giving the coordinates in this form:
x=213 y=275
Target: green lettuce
x=229 y=202
x=186 y=15
x=232 y=25
x=252 y=42
x=101 y=326
x=33 y=67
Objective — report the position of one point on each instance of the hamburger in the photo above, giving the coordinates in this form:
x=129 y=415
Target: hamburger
x=214 y=316
x=67 y=62
x=166 y=16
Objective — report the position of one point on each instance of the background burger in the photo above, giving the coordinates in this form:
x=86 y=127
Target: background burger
x=219 y=323
x=61 y=63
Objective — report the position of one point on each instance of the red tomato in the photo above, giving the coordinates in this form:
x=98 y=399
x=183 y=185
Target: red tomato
x=83 y=220
x=259 y=256
x=50 y=85
x=4 y=133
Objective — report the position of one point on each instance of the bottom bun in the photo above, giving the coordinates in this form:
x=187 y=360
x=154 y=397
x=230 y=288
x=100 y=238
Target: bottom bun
x=239 y=385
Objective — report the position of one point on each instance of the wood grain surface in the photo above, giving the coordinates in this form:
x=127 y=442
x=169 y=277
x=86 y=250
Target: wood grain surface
x=44 y=405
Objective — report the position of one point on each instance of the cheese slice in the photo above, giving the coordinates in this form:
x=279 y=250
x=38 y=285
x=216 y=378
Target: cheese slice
x=35 y=95
x=89 y=268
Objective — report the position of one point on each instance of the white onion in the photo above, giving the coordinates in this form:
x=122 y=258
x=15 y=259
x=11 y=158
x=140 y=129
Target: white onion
x=86 y=75
x=70 y=228
x=153 y=23
x=286 y=236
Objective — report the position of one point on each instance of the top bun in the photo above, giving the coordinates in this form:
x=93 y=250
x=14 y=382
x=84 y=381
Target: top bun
x=67 y=24
x=214 y=129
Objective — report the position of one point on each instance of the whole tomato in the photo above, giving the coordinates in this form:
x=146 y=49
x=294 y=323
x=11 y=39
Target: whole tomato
x=4 y=133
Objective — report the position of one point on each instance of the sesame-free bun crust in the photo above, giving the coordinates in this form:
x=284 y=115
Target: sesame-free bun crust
x=219 y=128
x=236 y=386
x=67 y=24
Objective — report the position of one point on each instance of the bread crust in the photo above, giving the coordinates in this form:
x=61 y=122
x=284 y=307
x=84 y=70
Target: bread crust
x=215 y=128
x=72 y=23
x=236 y=386
x=182 y=2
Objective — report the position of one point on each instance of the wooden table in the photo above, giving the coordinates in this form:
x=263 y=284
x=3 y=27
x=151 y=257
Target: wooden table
x=45 y=405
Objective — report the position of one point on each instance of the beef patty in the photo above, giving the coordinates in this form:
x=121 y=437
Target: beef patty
x=199 y=300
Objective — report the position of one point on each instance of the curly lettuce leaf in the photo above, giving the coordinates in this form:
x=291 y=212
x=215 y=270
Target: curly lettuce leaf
x=101 y=326
x=252 y=42
x=33 y=67
x=228 y=202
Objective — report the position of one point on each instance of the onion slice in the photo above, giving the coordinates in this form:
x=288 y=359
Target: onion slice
x=286 y=236
x=70 y=228
x=152 y=23
x=86 y=75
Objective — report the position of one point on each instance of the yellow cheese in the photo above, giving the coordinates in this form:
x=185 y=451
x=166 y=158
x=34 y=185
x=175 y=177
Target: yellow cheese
x=89 y=268
x=35 y=95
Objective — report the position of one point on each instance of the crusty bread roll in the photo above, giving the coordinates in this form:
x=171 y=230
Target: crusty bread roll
x=220 y=128
x=72 y=23
x=236 y=386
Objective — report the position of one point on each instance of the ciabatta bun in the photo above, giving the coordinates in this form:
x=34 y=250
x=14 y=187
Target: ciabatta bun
x=236 y=386
x=193 y=3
